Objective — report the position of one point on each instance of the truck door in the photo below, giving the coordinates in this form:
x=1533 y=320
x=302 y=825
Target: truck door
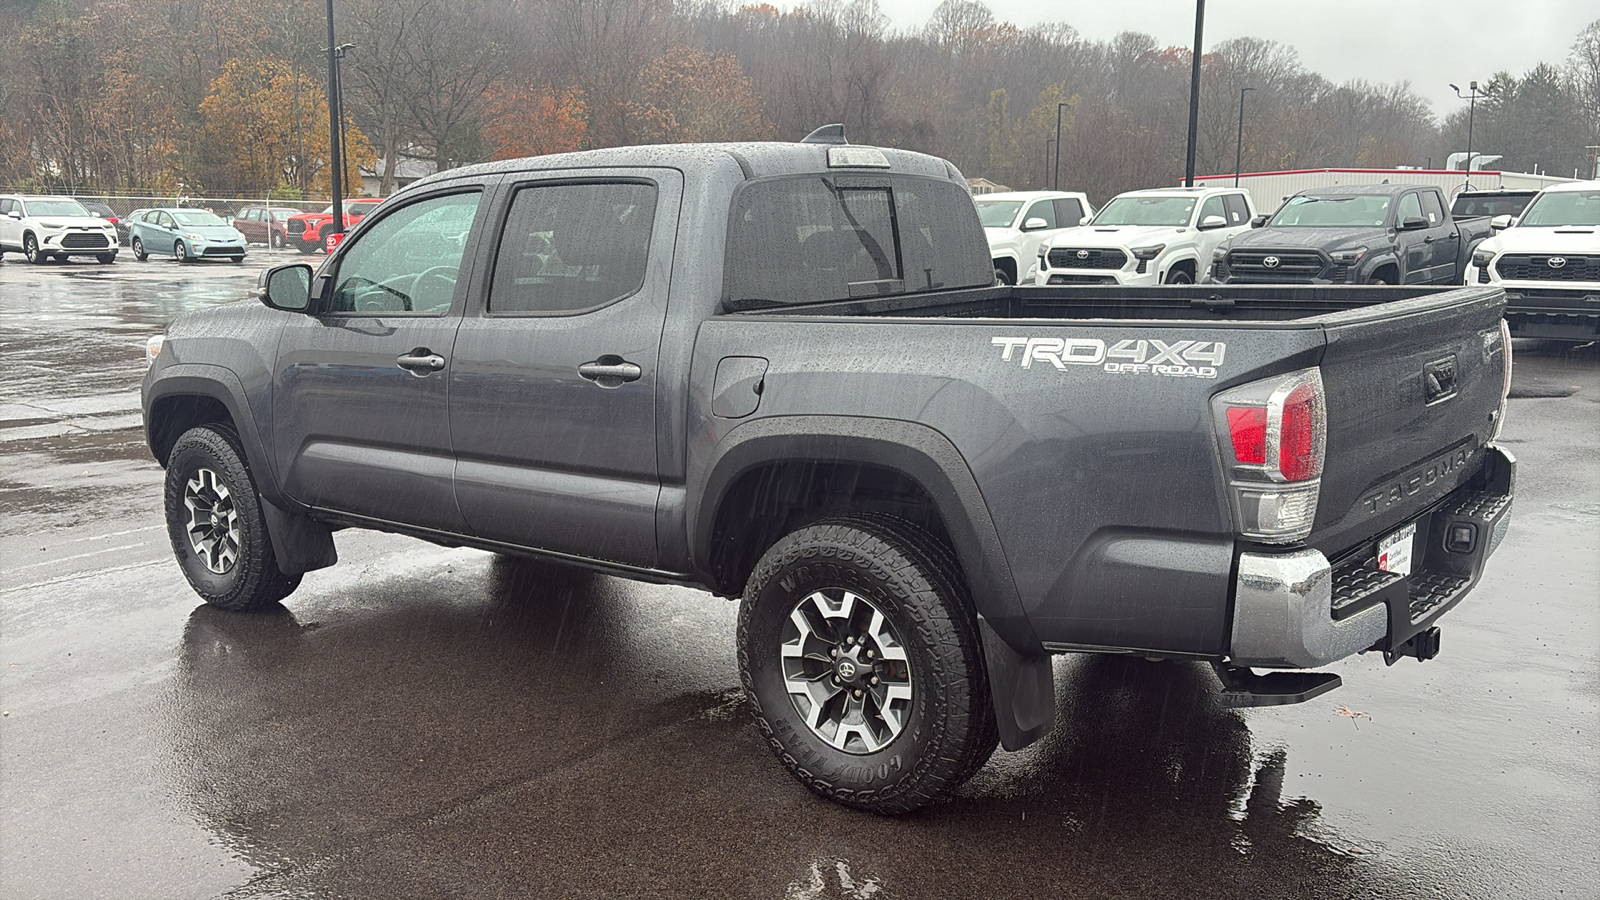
x=554 y=390
x=1445 y=238
x=360 y=423
x=1415 y=248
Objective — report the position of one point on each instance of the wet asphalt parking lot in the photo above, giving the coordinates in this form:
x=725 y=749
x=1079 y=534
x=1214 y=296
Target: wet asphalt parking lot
x=420 y=722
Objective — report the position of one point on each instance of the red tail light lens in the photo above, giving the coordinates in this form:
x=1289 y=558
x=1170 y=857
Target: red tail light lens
x=1299 y=453
x=1272 y=435
x=1247 y=427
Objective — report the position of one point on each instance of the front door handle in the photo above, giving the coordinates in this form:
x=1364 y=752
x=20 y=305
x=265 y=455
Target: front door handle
x=610 y=371
x=1428 y=239
x=420 y=361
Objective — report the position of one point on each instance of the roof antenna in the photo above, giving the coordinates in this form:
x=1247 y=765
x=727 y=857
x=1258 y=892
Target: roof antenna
x=827 y=134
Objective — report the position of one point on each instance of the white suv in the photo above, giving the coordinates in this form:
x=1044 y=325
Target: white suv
x=46 y=228
x=1158 y=236
x=1016 y=222
x=1548 y=262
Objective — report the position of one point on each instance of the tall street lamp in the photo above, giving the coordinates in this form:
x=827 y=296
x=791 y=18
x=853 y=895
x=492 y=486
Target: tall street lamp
x=1048 y=143
x=1194 y=93
x=1238 y=148
x=335 y=117
x=1055 y=170
x=1472 y=106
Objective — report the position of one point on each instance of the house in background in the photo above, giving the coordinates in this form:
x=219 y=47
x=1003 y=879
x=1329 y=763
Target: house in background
x=985 y=186
x=406 y=170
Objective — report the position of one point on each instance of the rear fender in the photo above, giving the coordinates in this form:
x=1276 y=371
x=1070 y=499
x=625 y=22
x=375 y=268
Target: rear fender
x=1019 y=669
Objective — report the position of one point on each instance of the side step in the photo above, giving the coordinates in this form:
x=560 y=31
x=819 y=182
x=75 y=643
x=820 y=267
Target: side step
x=1242 y=687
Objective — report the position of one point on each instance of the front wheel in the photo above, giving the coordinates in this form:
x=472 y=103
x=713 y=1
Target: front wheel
x=275 y=241
x=180 y=252
x=1180 y=276
x=858 y=651
x=106 y=259
x=30 y=250
x=215 y=522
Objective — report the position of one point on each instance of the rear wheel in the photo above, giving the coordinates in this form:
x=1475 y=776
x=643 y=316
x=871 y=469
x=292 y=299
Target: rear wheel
x=215 y=522
x=858 y=651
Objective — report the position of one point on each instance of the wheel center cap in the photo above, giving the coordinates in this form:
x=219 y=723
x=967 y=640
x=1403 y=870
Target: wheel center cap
x=847 y=670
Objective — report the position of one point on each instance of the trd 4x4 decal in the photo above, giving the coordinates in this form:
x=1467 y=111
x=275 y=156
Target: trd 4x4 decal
x=1131 y=356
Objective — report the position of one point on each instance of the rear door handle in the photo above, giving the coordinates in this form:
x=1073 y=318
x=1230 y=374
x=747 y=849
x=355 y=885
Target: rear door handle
x=610 y=371
x=420 y=361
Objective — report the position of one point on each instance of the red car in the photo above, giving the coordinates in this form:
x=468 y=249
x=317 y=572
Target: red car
x=264 y=224
x=307 y=230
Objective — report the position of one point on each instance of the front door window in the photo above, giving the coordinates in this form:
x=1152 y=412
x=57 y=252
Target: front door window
x=408 y=263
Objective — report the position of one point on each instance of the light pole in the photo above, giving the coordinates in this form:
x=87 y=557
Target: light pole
x=1048 y=142
x=1194 y=93
x=1238 y=148
x=335 y=118
x=1055 y=170
x=1472 y=107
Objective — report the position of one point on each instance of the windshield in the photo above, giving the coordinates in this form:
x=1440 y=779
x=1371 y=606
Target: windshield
x=1555 y=208
x=196 y=217
x=1333 y=212
x=1172 y=211
x=56 y=208
x=282 y=215
x=1467 y=206
x=997 y=213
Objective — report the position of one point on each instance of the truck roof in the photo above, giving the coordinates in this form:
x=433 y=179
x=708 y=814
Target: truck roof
x=1362 y=189
x=756 y=159
x=1591 y=185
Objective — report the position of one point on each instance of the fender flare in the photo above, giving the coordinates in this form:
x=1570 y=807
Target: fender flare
x=1387 y=258
x=1020 y=676
x=300 y=543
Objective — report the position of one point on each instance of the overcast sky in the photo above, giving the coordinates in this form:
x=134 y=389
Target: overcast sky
x=1429 y=44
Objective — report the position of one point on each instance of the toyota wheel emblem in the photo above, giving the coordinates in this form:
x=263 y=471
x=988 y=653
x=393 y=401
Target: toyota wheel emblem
x=1270 y=262
x=1557 y=262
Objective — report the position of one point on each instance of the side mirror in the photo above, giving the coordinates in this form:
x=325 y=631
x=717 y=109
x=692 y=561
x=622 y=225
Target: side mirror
x=286 y=287
x=1500 y=222
x=1034 y=224
x=1210 y=222
x=14 y=214
x=1085 y=220
x=1413 y=223
x=1258 y=221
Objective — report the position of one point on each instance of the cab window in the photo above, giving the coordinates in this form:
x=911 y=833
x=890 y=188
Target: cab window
x=1212 y=207
x=1432 y=208
x=408 y=263
x=1238 y=210
x=569 y=248
x=1045 y=210
x=1410 y=208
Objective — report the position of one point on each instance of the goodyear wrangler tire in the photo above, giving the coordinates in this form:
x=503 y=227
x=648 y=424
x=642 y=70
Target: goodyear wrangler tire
x=216 y=526
x=859 y=653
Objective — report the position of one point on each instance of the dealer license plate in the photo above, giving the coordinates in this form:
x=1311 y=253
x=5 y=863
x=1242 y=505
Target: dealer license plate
x=1394 y=551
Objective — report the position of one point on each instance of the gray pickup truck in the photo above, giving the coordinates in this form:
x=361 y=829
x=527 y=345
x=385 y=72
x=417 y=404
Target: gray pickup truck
x=782 y=372
x=1354 y=234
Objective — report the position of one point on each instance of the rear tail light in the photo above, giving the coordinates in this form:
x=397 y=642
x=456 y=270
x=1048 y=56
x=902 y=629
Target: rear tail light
x=1273 y=434
x=1505 y=376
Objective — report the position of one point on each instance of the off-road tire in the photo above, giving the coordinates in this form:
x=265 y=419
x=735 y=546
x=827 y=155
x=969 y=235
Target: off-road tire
x=913 y=579
x=254 y=580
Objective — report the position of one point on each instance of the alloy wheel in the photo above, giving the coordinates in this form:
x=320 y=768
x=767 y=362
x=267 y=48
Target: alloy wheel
x=845 y=669
x=213 y=525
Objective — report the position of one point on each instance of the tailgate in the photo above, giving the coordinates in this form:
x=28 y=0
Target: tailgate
x=1413 y=391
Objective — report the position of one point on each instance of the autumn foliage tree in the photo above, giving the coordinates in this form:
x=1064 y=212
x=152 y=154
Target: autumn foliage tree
x=688 y=95
x=260 y=119
x=532 y=121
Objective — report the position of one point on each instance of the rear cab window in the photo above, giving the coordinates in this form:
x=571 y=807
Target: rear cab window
x=1432 y=207
x=821 y=237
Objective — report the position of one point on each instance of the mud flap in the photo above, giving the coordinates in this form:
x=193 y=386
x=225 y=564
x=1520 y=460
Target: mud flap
x=299 y=543
x=1023 y=689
